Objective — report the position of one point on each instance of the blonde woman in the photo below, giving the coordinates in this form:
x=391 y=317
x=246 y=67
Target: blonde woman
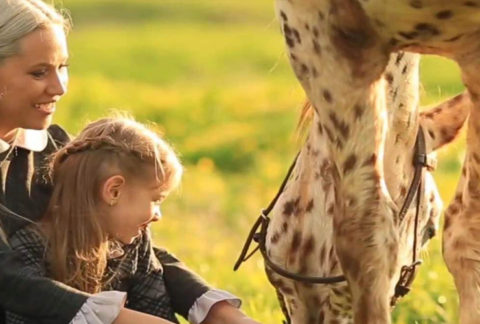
x=33 y=77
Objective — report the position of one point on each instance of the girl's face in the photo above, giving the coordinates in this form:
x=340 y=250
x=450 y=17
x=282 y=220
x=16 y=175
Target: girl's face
x=137 y=205
x=32 y=81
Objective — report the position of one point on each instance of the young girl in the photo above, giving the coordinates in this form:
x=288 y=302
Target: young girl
x=108 y=186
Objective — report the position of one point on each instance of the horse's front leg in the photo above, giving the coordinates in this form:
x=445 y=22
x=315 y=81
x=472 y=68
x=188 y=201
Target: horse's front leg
x=461 y=243
x=367 y=246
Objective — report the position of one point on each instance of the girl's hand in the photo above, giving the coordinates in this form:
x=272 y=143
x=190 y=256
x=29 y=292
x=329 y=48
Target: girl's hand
x=224 y=313
x=128 y=316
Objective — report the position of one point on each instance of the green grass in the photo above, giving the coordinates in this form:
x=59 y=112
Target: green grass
x=214 y=75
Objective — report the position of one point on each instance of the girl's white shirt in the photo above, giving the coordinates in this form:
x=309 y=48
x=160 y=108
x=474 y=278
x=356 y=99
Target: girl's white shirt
x=102 y=308
x=199 y=311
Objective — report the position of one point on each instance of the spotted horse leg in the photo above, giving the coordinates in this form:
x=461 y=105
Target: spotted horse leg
x=461 y=240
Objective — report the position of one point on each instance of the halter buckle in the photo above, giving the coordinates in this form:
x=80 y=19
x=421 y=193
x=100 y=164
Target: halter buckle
x=407 y=275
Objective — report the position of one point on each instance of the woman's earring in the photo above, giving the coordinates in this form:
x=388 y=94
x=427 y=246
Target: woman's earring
x=112 y=202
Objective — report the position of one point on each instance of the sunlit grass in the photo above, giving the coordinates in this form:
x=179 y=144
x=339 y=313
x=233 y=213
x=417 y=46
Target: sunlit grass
x=214 y=76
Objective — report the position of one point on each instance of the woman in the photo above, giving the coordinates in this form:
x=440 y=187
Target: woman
x=33 y=77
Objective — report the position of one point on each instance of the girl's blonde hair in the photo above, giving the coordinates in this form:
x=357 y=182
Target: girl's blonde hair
x=18 y=18
x=78 y=245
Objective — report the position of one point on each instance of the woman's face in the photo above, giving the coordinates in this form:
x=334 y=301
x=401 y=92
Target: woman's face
x=32 y=81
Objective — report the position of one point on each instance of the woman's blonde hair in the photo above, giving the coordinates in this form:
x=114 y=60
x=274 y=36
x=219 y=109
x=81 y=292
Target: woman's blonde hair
x=78 y=245
x=18 y=18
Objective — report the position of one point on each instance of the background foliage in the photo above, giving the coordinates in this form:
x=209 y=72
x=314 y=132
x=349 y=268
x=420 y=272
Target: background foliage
x=214 y=76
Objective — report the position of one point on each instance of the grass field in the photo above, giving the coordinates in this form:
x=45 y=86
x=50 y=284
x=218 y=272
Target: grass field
x=214 y=75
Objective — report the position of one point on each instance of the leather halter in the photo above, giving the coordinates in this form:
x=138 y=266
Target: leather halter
x=420 y=161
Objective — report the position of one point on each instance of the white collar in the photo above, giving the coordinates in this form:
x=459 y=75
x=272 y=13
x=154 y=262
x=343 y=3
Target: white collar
x=30 y=139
